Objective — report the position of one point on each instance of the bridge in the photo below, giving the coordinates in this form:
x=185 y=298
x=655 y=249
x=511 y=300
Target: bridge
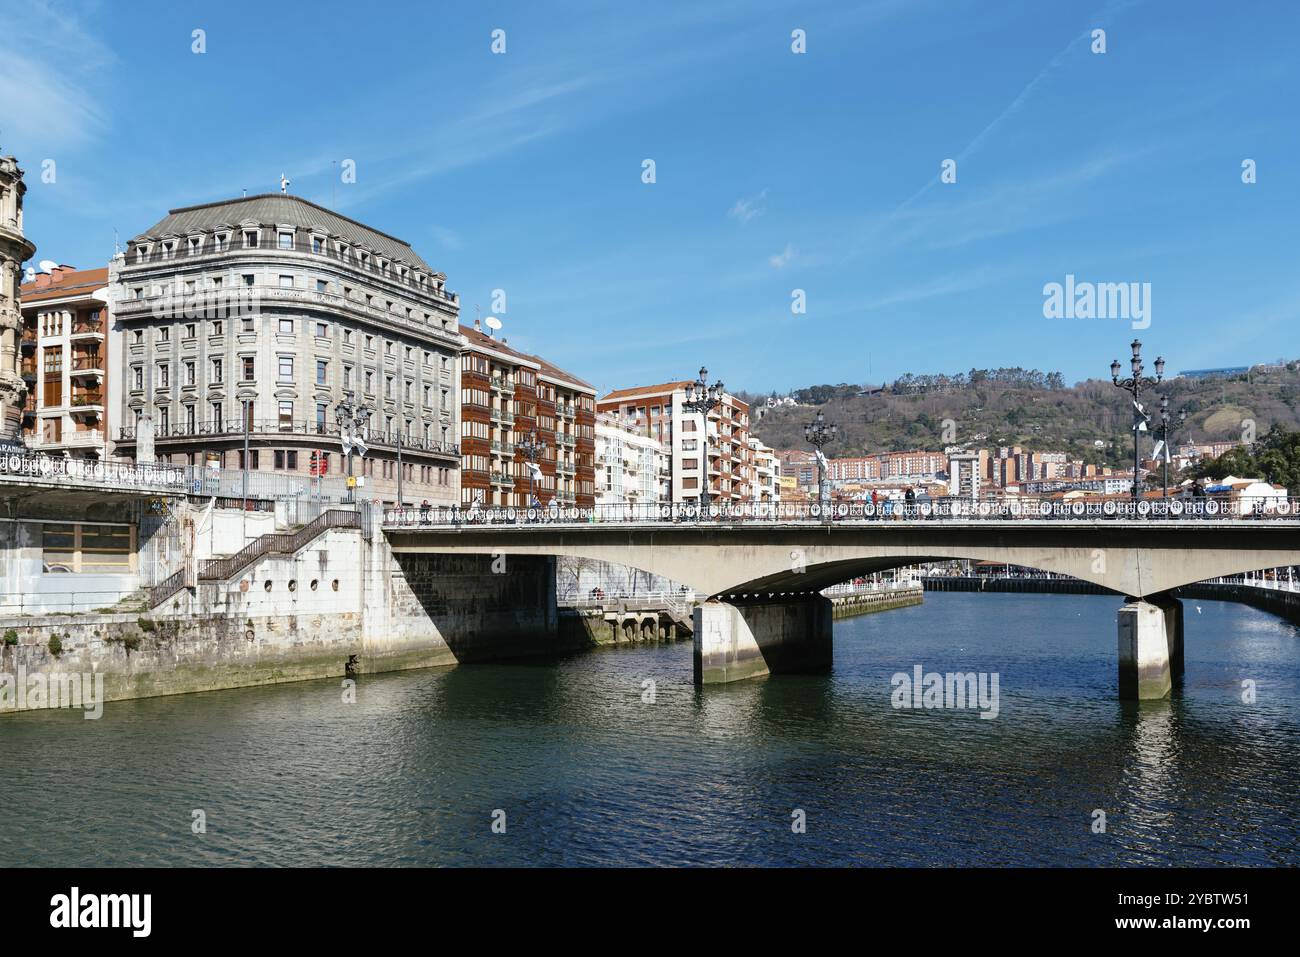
x=762 y=567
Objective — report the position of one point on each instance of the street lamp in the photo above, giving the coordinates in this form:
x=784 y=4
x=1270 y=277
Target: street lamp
x=703 y=398
x=818 y=434
x=1164 y=434
x=532 y=447
x=350 y=416
x=1134 y=386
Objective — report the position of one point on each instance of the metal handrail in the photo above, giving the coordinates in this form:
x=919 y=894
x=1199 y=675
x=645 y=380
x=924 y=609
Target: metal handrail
x=286 y=543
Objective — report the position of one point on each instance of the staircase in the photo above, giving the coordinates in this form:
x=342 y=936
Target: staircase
x=278 y=543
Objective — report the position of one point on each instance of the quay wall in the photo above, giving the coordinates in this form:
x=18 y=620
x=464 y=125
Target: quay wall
x=865 y=603
x=344 y=604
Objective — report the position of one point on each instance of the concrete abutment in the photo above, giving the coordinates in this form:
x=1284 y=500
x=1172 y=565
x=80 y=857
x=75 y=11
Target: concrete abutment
x=749 y=638
x=1150 y=647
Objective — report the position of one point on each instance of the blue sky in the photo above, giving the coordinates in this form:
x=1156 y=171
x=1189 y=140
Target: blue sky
x=775 y=171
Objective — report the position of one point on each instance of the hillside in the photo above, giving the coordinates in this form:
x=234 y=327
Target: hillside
x=1032 y=409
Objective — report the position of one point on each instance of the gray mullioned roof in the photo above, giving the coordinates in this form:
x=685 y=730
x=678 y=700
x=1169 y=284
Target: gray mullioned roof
x=274 y=209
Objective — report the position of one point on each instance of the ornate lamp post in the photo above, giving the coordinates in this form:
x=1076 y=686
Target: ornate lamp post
x=818 y=434
x=351 y=416
x=1164 y=434
x=704 y=398
x=1134 y=385
x=532 y=447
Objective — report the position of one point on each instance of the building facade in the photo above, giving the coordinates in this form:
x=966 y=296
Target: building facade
x=631 y=467
x=262 y=317
x=716 y=453
x=510 y=402
x=766 y=486
x=64 y=363
x=15 y=249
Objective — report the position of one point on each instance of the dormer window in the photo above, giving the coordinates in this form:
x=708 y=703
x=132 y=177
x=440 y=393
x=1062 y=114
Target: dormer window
x=286 y=240
x=317 y=245
x=250 y=238
x=141 y=253
x=196 y=244
x=344 y=252
x=167 y=249
x=219 y=241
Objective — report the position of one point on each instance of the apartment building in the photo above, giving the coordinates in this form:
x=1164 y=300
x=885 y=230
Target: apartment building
x=660 y=411
x=265 y=316
x=511 y=401
x=631 y=466
x=64 y=352
x=766 y=486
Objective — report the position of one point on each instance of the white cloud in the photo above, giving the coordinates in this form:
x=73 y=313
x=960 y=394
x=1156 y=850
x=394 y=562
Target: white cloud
x=782 y=259
x=747 y=209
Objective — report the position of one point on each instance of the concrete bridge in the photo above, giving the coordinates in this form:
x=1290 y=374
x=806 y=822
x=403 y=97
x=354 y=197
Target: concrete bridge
x=762 y=568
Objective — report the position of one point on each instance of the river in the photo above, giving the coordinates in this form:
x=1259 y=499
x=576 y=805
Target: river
x=586 y=767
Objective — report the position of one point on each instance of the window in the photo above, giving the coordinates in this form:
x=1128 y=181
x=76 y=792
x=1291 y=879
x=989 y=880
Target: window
x=219 y=241
x=322 y=417
x=322 y=285
x=286 y=459
x=189 y=374
x=250 y=367
x=252 y=459
x=285 y=366
x=249 y=279
x=138 y=336
x=246 y=324
x=286 y=416
x=164 y=375
x=216 y=416
x=191 y=330
x=322 y=330
x=317 y=244
x=322 y=372
x=165 y=334
x=370 y=343
x=286 y=326
x=388 y=387
x=216 y=370
x=370 y=383
x=286 y=240
x=216 y=327
x=347 y=377
x=286 y=282
x=428 y=394
x=164 y=419
x=195 y=245
x=250 y=239
x=347 y=337
x=189 y=420
x=101 y=549
x=137 y=377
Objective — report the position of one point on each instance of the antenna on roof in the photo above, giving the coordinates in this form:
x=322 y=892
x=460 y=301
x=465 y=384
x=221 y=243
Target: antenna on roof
x=245 y=193
x=284 y=184
x=493 y=323
x=116 y=246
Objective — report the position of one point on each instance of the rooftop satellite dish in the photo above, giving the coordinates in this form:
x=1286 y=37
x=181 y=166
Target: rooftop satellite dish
x=48 y=265
x=492 y=322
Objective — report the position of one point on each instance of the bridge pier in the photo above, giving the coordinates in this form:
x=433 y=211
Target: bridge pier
x=1150 y=647
x=747 y=638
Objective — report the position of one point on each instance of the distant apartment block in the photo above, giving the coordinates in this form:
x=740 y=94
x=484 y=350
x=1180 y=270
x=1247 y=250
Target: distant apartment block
x=716 y=452
x=64 y=352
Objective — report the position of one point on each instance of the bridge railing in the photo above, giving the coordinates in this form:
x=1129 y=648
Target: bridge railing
x=783 y=513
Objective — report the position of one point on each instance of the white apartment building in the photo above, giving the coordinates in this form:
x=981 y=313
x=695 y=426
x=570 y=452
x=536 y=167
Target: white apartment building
x=767 y=472
x=631 y=467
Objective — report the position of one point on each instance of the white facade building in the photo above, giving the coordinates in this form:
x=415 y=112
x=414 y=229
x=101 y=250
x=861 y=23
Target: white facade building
x=631 y=467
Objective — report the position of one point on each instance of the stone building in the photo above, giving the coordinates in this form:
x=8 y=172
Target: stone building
x=64 y=362
x=263 y=315
x=15 y=249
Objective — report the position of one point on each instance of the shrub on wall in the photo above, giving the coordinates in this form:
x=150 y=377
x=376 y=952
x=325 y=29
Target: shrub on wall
x=11 y=637
x=56 y=646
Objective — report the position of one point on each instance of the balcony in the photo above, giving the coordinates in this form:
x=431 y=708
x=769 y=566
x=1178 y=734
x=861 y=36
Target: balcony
x=82 y=439
x=503 y=417
x=89 y=365
x=28 y=340
x=503 y=448
x=565 y=440
x=502 y=384
x=88 y=403
x=503 y=480
x=565 y=410
x=233 y=429
x=87 y=329
x=566 y=468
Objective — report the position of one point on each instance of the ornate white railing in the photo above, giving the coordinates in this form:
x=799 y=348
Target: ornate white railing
x=786 y=513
